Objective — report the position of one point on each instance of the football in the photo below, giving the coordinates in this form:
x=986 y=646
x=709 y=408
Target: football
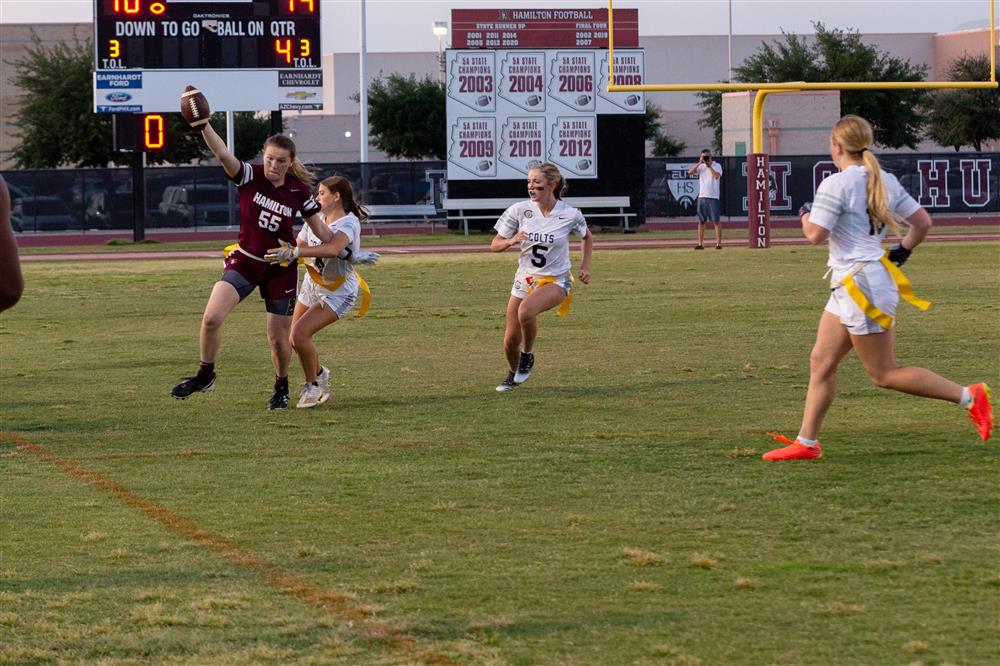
x=194 y=107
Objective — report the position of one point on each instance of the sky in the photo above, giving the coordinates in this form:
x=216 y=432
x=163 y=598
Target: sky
x=405 y=25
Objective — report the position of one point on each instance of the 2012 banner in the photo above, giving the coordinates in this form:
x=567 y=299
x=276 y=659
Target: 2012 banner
x=535 y=106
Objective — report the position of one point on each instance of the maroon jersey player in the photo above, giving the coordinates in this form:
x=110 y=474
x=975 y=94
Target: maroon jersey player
x=271 y=195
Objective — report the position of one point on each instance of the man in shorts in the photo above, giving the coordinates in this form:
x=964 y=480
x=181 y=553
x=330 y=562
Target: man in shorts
x=708 y=207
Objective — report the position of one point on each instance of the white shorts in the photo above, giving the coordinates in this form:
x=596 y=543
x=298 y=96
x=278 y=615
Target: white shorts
x=523 y=281
x=340 y=301
x=880 y=290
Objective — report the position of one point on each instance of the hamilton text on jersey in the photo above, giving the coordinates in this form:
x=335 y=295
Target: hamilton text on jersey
x=272 y=205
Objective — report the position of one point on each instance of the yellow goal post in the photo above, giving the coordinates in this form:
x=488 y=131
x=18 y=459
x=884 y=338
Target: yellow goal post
x=795 y=86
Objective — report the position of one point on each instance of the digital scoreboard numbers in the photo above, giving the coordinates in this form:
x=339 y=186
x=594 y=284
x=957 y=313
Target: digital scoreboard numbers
x=245 y=55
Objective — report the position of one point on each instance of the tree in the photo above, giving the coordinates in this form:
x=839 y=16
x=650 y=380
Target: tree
x=663 y=145
x=965 y=117
x=835 y=55
x=652 y=127
x=667 y=146
x=406 y=117
x=57 y=122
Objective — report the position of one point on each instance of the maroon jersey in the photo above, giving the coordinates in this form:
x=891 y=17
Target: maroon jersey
x=267 y=213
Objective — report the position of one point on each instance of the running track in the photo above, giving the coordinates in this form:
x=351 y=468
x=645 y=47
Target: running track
x=637 y=244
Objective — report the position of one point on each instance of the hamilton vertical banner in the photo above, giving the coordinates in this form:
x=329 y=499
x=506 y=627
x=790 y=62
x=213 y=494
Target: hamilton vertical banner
x=759 y=200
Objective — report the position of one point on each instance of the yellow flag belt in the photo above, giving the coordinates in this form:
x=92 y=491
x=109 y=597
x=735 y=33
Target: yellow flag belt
x=563 y=308
x=366 y=294
x=905 y=290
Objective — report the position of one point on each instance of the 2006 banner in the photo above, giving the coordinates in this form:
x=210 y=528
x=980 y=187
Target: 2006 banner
x=508 y=110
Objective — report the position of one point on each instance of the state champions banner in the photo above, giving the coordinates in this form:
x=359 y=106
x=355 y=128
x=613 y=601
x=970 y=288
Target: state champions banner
x=534 y=106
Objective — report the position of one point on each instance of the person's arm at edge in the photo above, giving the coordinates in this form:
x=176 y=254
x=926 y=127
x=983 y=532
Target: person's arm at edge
x=11 y=279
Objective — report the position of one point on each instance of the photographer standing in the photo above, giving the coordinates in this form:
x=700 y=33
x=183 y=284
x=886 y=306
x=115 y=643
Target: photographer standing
x=708 y=208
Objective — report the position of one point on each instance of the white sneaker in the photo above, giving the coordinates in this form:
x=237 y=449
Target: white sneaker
x=323 y=379
x=312 y=395
x=524 y=367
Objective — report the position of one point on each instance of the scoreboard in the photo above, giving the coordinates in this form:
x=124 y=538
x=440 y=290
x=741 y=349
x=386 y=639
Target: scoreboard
x=245 y=55
x=542 y=28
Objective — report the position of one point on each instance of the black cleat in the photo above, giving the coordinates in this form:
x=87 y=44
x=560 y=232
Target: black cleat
x=192 y=385
x=279 y=399
x=507 y=384
x=524 y=368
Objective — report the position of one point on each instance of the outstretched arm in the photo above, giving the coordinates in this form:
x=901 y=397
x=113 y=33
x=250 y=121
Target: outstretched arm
x=332 y=248
x=221 y=151
x=319 y=227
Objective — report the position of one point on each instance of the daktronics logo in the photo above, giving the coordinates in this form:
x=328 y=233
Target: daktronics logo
x=118 y=97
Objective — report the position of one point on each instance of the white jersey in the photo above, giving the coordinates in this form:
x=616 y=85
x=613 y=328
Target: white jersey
x=331 y=267
x=545 y=249
x=708 y=185
x=841 y=206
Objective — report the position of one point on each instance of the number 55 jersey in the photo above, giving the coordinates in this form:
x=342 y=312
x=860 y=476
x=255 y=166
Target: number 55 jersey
x=545 y=248
x=267 y=213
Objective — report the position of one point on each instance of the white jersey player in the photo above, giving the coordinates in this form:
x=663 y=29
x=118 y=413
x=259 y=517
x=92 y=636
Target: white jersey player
x=541 y=227
x=331 y=285
x=852 y=210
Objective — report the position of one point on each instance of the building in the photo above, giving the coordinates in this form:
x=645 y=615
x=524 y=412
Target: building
x=332 y=135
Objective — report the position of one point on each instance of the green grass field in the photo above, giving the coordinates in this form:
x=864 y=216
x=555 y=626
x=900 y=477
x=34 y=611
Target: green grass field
x=613 y=510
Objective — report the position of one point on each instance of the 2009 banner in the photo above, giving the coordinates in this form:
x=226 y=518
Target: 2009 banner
x=508 y=110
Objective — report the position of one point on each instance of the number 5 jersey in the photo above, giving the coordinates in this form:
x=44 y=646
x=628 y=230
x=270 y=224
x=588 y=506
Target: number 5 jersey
x=545 y=249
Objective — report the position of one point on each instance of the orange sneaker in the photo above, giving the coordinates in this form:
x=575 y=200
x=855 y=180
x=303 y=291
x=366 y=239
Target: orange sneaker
x=981 y=411
x=794 y=450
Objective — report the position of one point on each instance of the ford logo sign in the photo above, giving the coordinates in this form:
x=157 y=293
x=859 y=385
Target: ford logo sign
x=118 y=97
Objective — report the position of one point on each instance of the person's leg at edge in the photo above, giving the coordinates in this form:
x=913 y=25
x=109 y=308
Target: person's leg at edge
x=512 y=333
x=832 y=344
x=544 y=298
x=306 y=322
x=878 y=356
x=222 y=301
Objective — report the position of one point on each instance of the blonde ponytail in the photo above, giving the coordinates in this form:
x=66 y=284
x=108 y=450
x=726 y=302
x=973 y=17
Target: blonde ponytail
x=878 y=205
x=854 y=134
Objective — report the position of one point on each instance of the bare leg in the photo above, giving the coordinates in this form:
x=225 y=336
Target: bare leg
x=306 y=322
x=512 y=334
x=832 y=344
x=701 y=233
x=279 y=328
x=878 y=356
x=718 y=234
x=544 y=298
x=222 y=301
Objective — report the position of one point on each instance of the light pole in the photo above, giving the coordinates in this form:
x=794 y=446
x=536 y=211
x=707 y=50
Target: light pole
x=440 y=30
x=363 y=75
x=730 y=41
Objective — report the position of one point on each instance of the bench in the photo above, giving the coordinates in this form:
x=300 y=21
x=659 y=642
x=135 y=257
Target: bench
x=457 y=209
x=401 y=213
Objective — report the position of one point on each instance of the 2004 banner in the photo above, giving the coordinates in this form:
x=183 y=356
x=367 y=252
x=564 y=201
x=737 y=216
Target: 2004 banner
x=508 y=110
